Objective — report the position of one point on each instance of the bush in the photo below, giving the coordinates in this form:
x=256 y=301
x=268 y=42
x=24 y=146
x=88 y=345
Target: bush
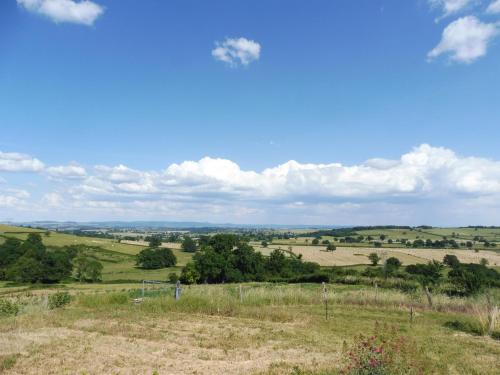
x=384 y=353
x=59 y=299
x=8 y=308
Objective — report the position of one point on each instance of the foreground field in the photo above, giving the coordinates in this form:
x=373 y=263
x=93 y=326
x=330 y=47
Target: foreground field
x=268 y=329
x=346 y=256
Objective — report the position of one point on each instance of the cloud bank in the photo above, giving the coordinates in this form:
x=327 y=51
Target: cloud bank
x=428 y=180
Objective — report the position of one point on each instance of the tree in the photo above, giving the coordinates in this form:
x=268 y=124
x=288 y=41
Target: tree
x=382 y=237
x=155 y=241
x=315 y=241
x=88 y=269
x=155 y=258
x=393 y=262
x=451 y=260
x=374 y=258
x=188 y=245
x=484 y=262
x=189 y=274
x=391 y=265
x=264 y=244
x=331 y=247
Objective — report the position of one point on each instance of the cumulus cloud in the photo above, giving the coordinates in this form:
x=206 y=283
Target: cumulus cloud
x=237 y=51
x=426 y=170
x=81 y=12
x=15 y=162
x=465 y=39
x=494 y=7
x=424 y=181
x=66 y=171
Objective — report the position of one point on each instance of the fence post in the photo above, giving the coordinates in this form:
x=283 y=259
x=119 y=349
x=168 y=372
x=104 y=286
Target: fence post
x=241 y=294
x=142 y=289
x=376 y=292
x=412 y=314
x=178 y=290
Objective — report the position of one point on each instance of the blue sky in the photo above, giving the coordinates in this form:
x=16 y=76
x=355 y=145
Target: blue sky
x=138 y=84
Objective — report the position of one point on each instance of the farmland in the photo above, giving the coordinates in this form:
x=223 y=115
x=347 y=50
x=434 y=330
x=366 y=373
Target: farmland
x=246 y=328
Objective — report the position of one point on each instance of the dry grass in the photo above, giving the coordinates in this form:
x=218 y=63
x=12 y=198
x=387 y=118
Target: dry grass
x=211 y=331
x=346 y=256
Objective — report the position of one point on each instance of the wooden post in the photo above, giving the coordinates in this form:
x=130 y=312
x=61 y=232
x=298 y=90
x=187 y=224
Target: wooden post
x=412 y=314
x=376 y=291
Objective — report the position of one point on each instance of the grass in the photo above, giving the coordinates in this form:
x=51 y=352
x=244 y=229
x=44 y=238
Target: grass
x=272 y=329
x=118 y=259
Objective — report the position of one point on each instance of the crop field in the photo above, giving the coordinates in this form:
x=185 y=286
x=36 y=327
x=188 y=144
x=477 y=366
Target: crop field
x=268 y=329
x=459 y=234
x=345 y=256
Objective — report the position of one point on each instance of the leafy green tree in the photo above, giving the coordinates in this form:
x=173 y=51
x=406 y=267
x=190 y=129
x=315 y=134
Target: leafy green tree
x=25 y=270
x=374 y=258
x=188 y=245
x=451 y=260
x=428 y=274
x=315 y=241
x=154 y=241
x=471 y=279
x=88 y=269
x=189 y=274
x=264 y=244
x=156 y=258
x=331 y=247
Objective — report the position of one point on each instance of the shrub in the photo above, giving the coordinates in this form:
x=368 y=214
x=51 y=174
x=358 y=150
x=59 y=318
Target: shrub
x=8 y=308
x=384 y=353
x=59 y=299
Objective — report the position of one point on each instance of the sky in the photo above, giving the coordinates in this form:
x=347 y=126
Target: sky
x=332 y=112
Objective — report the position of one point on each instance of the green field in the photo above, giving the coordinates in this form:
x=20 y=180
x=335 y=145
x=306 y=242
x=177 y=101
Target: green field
x=118 y=259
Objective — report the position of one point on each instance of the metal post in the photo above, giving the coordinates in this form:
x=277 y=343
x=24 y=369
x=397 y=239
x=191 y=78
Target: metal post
x=178 y=290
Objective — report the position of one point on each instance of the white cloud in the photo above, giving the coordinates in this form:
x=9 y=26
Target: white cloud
x=15 y=162
x=450 y=7
x=67 y=171
x=494 y=7
x=82 y=12
x=465 y=39
x=425 y=183
x=426 y=170
x=237 y=51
